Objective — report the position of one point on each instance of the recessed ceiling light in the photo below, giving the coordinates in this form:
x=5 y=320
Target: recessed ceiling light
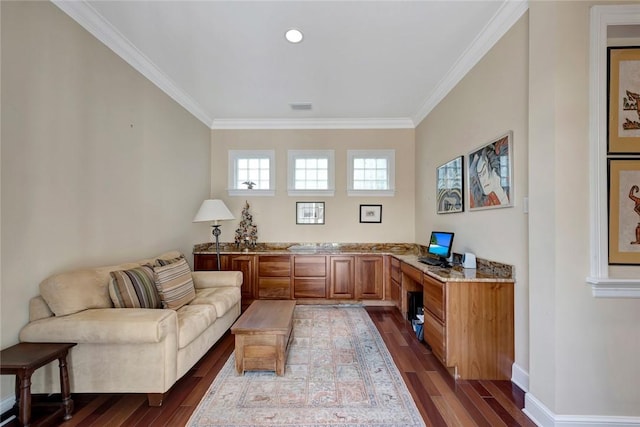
x=293 y=35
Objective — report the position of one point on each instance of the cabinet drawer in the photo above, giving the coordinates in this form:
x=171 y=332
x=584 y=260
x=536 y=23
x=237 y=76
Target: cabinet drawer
x=434 y=335
x=274 y=266
x=274 y=287
x=309 y=266
x=309 y=288
x=434 y=296
x=412 y=272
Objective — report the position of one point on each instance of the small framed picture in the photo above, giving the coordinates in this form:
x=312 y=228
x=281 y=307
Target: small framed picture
x=371 y=213
x=624 y=211
x=490 y=175
x=450 y=188
x=309 y=212
x=624 y=100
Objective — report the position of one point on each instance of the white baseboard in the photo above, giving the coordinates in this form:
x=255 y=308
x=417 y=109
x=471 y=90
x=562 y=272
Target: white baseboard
x=520 y=377
x=5 y=405
x=543 y=417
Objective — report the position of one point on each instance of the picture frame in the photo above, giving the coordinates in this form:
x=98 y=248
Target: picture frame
x=490 y=174
x=371 y=214
x=624 y=211
x=450 y=186
x=310 y=213
x=623 y=90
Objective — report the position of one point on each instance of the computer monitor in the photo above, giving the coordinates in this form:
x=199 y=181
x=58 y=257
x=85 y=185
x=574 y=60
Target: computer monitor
x=440 y=244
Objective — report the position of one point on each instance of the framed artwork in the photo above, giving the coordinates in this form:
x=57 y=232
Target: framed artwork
x=490 y=174
x=309 y=212
x=624 y=211
x=450 y=187
x=371 y=213
x=624 y=100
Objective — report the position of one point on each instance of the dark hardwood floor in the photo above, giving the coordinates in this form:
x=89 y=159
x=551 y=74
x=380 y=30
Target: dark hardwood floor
x=441 y=400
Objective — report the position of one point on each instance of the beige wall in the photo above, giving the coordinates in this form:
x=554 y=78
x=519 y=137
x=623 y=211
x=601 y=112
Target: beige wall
x=489 y=101
x=584 y=351
x=275 y=216
x=98 y=165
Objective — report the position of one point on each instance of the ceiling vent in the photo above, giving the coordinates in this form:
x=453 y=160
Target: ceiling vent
x=300 y=106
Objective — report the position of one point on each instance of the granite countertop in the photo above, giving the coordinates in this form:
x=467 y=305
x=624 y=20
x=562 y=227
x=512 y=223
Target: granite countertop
x=487 y=271
x=458 y=274
x=310 y=248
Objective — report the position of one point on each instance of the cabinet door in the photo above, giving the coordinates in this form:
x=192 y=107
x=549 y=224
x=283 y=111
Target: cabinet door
x=245 y=264
x=342 y=277
x=206 y=262
x=369 y=276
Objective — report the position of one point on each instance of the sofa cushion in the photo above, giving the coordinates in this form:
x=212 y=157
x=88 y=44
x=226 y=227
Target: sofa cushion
x=221 y=298
x=174 y=284
x=134 y=288
x=71 y=292
x=192 y=321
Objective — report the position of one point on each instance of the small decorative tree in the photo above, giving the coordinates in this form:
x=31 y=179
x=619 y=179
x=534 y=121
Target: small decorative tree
x=247 y=232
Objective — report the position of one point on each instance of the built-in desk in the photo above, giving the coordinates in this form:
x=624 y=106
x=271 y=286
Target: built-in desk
x=468 y=318
x=468 y=313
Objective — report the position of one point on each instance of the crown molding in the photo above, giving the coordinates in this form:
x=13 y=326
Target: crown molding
x=85 y=15
x=508 y=14
x=400 y=123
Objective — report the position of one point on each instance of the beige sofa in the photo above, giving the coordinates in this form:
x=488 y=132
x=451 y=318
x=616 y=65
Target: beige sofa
x=127 y=350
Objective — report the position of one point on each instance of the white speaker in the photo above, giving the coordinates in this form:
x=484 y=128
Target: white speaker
x=468 y=260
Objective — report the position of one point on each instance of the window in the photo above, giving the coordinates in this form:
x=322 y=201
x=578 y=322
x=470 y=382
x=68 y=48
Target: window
x=371 y=172
x=251 y=172
x=606 y=281
x=311 y=172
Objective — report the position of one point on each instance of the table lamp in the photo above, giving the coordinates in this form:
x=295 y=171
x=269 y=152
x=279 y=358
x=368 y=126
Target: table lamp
x=214 y=210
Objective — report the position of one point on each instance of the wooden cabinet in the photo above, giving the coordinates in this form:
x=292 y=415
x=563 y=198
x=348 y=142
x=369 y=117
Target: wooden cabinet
x=231 y=262
x=342 y=276
x=247 y=265
x=369 y=276
x=274 y=277
x=309 y=276
x=206 y=262
x=469 y=326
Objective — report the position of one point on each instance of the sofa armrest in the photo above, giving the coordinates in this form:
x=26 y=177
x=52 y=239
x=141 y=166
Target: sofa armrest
x=104 y=326
x=216 y=279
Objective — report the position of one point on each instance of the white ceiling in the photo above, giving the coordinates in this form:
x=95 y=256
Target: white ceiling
x=361 y=63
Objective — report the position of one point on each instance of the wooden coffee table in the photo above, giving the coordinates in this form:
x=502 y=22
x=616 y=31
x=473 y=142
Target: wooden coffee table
x=22 y=360
x=262 y=336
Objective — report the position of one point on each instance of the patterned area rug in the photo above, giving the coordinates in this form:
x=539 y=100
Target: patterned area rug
x=338 y=373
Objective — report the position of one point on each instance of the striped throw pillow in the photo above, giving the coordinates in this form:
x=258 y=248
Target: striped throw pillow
x=174 y=284
x=134 y=288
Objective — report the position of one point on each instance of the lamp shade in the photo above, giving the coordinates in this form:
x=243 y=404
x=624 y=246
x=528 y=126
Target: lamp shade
x=213 y=210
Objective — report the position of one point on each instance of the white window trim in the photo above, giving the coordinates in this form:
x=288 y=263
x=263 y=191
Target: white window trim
x=602 y=285
x=313 y=154
x=231 y=178
x=390 y=155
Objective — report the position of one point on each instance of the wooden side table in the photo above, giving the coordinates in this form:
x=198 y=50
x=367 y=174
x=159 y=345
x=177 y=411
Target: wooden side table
x=22 y=360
